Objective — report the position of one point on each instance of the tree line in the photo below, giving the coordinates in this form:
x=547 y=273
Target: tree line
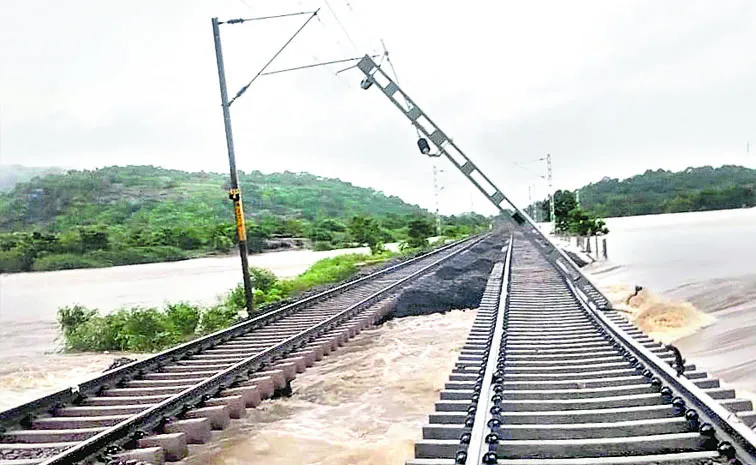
x=569 y=217
x=653 y=192
x=127 y=215
x=661 y=191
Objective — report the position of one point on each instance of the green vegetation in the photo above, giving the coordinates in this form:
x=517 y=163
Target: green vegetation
x=141 y=214
x=660 y=191
x=367 y=231
x=653 y=192
x=10 y=175
x=139 y=329
x=418 y=232
x=569 y=218
x=151 y=329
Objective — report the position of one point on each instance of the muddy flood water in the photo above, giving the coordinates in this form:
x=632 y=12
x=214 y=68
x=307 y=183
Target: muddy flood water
x=29 y=301
x=363 y=404
x=30 y=364
x=698 y=271
x=366 y=403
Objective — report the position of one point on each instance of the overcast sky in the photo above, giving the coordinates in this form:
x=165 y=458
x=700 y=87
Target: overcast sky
x=609 y=88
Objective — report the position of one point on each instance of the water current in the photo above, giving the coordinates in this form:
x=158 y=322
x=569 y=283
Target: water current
x=698 y=271
x=367 y=404
x=29 y=364
x=29 y=301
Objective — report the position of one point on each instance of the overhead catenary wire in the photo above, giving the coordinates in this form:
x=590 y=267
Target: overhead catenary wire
x=263 y=18
x=338 y=38
x=396 y=78
x=344 y=60
x=344 y=48
x=341 y=25
x=262 y=70
x=315 y=56
x=364 y=27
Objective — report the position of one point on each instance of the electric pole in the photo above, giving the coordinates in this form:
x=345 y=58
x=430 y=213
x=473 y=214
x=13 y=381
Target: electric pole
x=530 y=200
x=552 y=218
x=234 y=193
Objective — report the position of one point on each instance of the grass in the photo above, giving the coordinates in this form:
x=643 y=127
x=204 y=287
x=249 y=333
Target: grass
x=105 y=258
x=139 y=329
x=142 y=329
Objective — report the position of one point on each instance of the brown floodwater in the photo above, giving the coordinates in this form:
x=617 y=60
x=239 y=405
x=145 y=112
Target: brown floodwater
x=29 y=301
x=699 y=277
x=368 y=402
x=365 y=404
x=23 y=379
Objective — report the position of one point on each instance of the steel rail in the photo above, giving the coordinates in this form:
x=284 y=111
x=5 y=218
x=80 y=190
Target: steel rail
x=727 y=424
x=478 y=446
x=175 y=405
x=574 y=384
x=374 y=74
x=15 y=415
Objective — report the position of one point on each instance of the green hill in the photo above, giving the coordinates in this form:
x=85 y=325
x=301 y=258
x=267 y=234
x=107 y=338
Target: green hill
x=147 y=195
x=10 y=175
x=660 y=191
x=135 y=214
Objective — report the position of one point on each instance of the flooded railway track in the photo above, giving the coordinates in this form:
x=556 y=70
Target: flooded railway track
x=547 y=377
x=152 y=409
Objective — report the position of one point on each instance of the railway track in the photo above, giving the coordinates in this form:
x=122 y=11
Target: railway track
x=546 y=377
x=151 y=409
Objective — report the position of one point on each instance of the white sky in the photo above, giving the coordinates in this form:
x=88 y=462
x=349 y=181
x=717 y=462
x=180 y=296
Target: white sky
x=609 y=88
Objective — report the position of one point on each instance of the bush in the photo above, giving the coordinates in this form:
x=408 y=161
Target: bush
x=377 y=248
x=222 y=244
x=236 y=298
x=84 y=329
x=322 y=246
x=104 y=258
x=136 y=255
x=262 y=279
x=150 y=329
x=70 y=318
x=407 y=249
x=67 y=261
x=218 y=317
x=135 y=329
x=144 y=329
x=328 y=270
x=418 y=232
x=182 y=318
x=86 y=336
x=12 y=261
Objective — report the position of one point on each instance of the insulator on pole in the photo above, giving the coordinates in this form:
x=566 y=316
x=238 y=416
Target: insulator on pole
x=422 y=144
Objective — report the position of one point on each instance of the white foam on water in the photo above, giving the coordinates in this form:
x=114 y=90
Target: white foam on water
x=366 y=404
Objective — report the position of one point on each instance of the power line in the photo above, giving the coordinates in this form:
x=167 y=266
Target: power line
x=338 y=21
x=262 y=18
x=312 y=66
x=396 y=78
x=334 y=36
x=388 y=60
x=262 y=70
x=330 y=34
x=364 y=27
